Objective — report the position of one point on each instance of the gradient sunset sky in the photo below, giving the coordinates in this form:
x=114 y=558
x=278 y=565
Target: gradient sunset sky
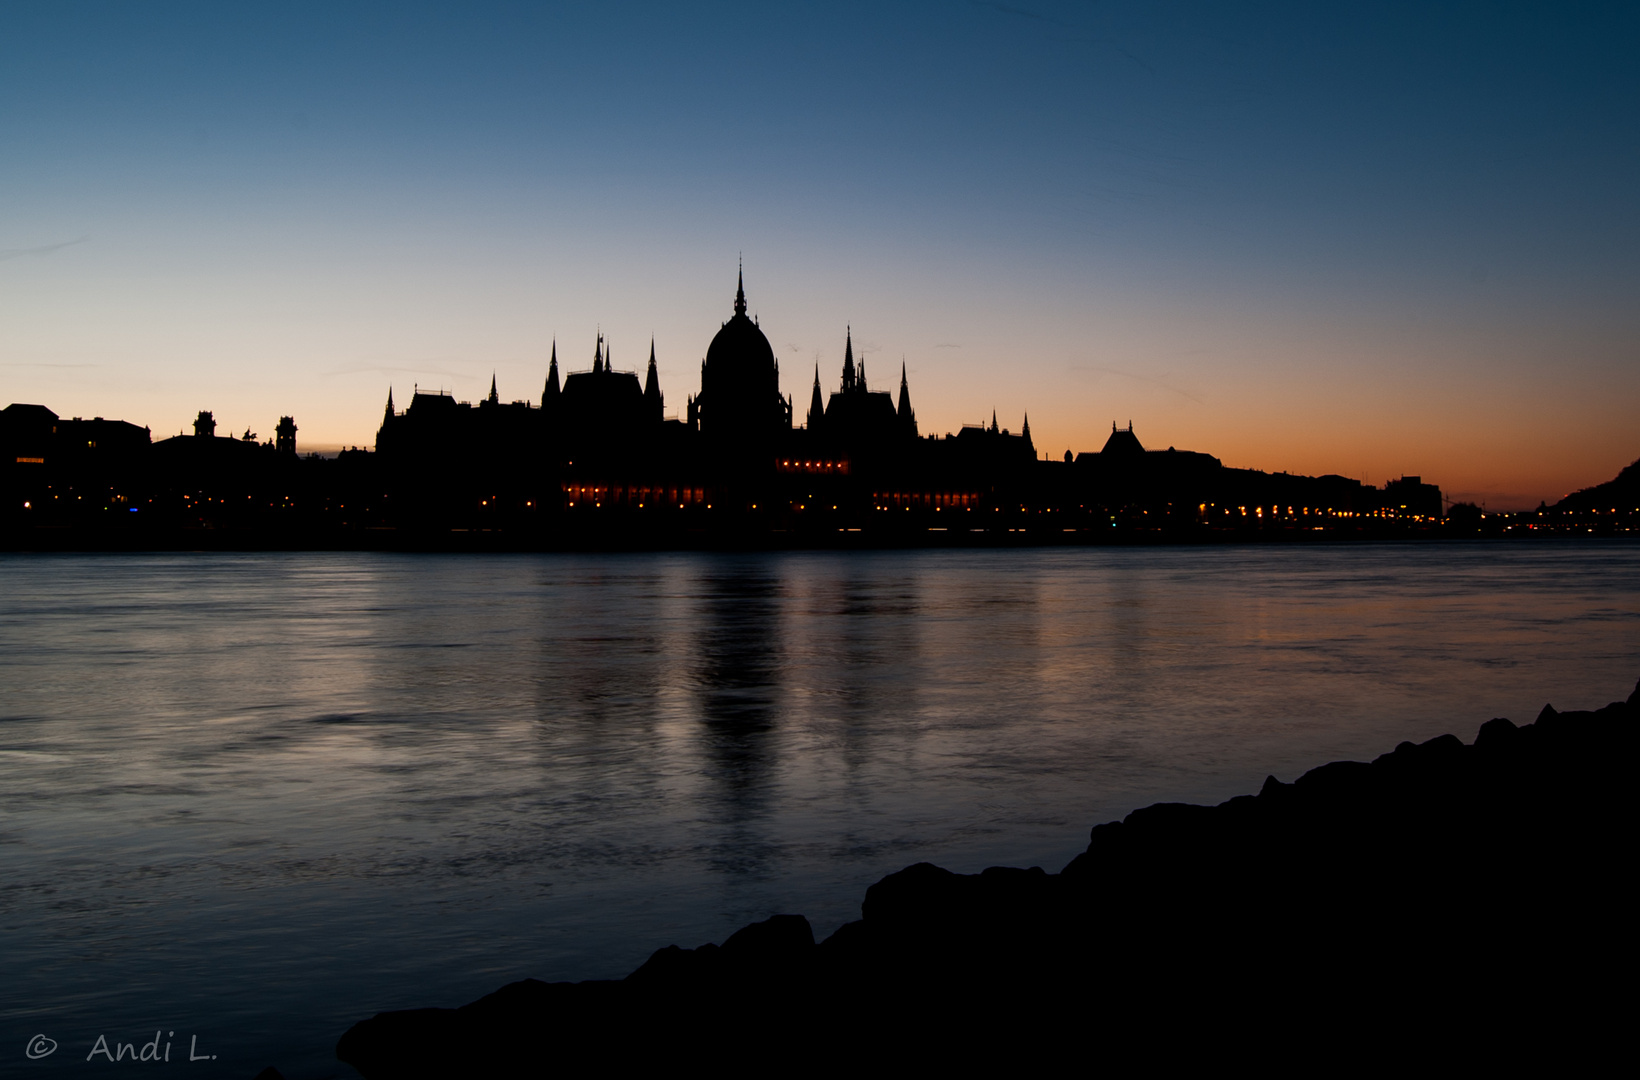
x=1367 y=239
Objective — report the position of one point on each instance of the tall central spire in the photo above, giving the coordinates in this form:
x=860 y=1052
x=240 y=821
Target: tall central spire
x=740 y=291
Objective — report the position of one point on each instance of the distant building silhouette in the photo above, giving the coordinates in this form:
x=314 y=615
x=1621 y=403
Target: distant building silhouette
x=1411 y=497
x=284 y=436
x=1122 y=444
x=598 y=458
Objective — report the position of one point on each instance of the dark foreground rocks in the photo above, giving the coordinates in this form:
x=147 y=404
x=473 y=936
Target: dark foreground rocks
x=1446 y=906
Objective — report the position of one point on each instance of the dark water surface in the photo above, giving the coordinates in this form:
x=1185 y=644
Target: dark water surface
x=250 y=799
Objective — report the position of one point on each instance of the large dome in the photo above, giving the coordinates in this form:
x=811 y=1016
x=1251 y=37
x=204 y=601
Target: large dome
x=740 y=350
x=739 y=398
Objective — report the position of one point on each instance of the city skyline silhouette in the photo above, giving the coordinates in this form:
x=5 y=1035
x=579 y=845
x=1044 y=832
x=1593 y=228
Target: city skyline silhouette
x=600 y=462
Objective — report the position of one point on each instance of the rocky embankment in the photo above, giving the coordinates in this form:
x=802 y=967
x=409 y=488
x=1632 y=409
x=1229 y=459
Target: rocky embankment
x=1447 y=904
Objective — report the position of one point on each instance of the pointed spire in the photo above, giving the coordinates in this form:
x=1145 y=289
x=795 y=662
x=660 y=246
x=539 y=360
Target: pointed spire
x=598 y=355
x=493 y=398
x=908 y=419
x=848 y=361
x=993 y=420
x=817 y=406
x=549 y=396
x=389 y=401
x=652 y=400
x=740 y=291
x=1026 y=431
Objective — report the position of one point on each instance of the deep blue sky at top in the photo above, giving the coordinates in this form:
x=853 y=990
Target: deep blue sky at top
x=1294 y=235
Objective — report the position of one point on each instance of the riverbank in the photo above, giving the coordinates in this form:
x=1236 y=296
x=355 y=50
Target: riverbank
x=597 y=539
x=1447 y=903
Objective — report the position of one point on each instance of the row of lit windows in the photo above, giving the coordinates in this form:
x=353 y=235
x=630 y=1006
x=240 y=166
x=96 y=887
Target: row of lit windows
x=924 y=500
x=1613 y=510
x=1304 y=511
x=641 y=497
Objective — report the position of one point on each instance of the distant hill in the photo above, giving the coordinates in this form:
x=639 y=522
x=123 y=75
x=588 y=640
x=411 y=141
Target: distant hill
x=1621 y=493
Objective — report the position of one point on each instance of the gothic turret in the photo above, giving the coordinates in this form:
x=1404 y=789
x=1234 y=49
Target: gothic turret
x=654 y=405
x=848 y=361
x=493 y=399
x=907 y=418
x=387 y=419
x=1025 y=433
x=817 y=406
x=549 y=395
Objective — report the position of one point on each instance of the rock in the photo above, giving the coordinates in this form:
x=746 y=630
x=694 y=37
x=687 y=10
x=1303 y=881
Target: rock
x=1451 y=904
x=778 y=939
x=1337 y=779
x=1496 y=735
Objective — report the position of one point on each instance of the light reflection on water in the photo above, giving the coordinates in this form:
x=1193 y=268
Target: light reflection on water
x=257 y=797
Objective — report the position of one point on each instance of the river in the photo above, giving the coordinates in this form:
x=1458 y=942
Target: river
x=247 y=799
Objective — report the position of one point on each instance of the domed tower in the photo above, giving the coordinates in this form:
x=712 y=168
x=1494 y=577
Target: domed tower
x=739 y=404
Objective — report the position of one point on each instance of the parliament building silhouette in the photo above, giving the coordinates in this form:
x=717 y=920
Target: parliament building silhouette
x=605 y=439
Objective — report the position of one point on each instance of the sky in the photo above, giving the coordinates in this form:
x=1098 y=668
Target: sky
x=1369 y=239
